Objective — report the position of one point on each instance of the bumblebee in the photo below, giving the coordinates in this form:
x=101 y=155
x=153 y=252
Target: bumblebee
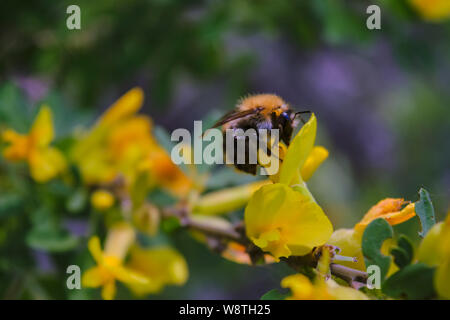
x=261 y=111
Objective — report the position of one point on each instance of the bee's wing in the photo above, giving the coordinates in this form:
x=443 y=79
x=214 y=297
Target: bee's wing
x=230 y=116
x=233 y=115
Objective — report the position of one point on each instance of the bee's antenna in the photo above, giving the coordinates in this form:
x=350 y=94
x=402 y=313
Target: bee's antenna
x=299 y=115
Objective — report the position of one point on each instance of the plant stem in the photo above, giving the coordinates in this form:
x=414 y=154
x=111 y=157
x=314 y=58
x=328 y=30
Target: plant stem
x=210 y=230
x=355 y=278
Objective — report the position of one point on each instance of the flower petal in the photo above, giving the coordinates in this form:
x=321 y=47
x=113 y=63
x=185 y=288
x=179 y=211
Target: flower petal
x=389 y=209
x=314 y=160
x=433 y=10
x=442 y=279
x=46 y=163
x=284 y=222
x=41 y=131
x=18 y=147
x=349 y=242
x=301 y=287
x=120 y=237
x=93 y=278
x=126 y=105
x=161 y=266
x=95 y=249
x=430 y=252
x=298 y=151
x=109 y=290
x=128 y=276
x=442 y=276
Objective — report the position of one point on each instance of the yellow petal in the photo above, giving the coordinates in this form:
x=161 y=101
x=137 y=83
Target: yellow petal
x=41 y=131
x=389 y=209
x=349 y=242
x=132 y=132
x=102 y=200
x=125 y=106
x=442 y=279
x=161 y=265
x=18 y=147
x=93 y=278
x=46 y=163
x=430 y=250
x=95 y=249
x=109 y=290
x=344 y=293
x=314 y=160
x=97 y=167
x=279 y=220
x=301 y=287
x=433 y=10
x=298 y=151
x=167 y=174
x=442 y=276
x=120 y=237
x=128 y=276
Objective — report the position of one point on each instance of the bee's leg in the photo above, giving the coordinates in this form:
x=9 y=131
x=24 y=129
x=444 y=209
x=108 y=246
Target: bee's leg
x=247 y=166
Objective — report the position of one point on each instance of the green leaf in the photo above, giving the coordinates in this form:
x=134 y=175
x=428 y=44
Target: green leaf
x=170 y=224
x=403 y=253
x=400 y=257
x=13 y=108
x=51 y=240
x=374 y=235
x=10 y=203
x=424 y=209
x=412 y=282
x=274 y=294
x=77 y=201
x=405 y=243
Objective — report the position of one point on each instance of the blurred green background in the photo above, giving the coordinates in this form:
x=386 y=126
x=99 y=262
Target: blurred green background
x=381 y=98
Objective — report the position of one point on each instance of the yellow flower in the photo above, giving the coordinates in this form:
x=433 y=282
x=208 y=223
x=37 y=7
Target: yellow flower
x=102 y=200
x=117 y=143
x=433 y=10
x=167 y=174
x=121 y=145
x=285 y=222
x=283 y=218
x=45 y=162
x=162 y=266
x=349 y=241
x=110 y=262
x=303 y=289
x=435 y=251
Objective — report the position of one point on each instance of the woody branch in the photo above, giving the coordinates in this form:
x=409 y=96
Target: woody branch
x=217 y=235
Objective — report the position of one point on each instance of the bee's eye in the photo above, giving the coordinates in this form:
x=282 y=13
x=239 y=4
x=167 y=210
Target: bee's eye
x=285 y=116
